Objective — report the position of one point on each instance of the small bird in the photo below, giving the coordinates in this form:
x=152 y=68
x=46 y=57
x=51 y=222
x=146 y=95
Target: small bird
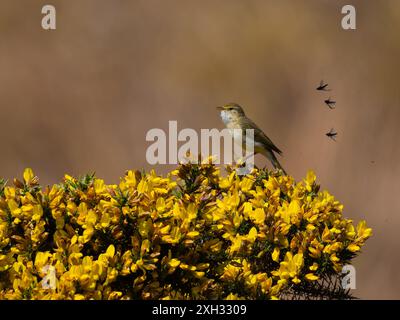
x=234 y=117
x=322 y=86
x=330 y=103
x=332 y=134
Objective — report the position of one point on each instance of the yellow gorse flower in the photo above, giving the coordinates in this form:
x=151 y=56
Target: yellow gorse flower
x=191 y=235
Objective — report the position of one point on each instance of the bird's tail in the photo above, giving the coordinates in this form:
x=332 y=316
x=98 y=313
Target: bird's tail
x=276 y=163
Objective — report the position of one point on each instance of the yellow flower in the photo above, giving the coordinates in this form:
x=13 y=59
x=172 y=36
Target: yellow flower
x=174 y=263
x=310 y=180
x=353 y=247
x=105 y=220
x=110 y=251
x=275 y=254
x=258 y=216
x=192 y=234
x=252 y=235
x=99 y=186
x=315 y=249
x=229 y=202
x=160 y=205
x=145 y=227
x=311 y=277
x=232 y=296
x=28 y=175
x=183 y=236
x=143 y=186
x=333 y=247
x=130 y=179
x=326 y=235
x=362 y=231
x=226 y=183
x=290 y=267
x=291 y=213
x=314 y=266
x=246 y=184
x=350 y=231
x=230 y=273
x=310 y=227
x=42 y=259
x=115 y=295
x=236 y=244
x=296 y=280
x=334 y=258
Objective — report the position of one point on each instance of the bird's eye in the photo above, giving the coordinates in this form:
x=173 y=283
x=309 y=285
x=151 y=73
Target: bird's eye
x=230 y=109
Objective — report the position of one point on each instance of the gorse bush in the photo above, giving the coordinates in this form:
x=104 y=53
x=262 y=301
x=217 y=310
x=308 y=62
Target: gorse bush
x=192 y=235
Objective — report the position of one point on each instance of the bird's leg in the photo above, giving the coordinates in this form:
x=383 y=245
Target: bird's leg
x=242 y=164
x=243 y=160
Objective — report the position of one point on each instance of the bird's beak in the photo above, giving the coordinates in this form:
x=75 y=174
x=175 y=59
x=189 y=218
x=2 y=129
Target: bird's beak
x=220 y=108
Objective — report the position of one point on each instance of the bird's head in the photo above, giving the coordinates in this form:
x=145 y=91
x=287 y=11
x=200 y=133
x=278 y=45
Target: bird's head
x=231 y=111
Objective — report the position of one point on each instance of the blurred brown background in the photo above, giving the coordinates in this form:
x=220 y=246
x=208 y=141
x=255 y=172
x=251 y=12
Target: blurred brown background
x=81 y=98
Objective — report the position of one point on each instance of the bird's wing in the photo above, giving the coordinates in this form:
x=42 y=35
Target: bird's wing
x=259 y=135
